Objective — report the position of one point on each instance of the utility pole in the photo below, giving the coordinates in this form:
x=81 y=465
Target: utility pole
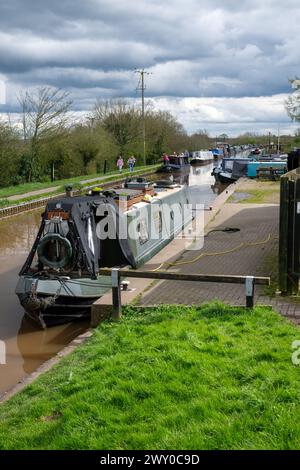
x=278 y=140
x=141 y=86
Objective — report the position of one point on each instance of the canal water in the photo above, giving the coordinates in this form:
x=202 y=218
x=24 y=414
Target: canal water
x=27 y=346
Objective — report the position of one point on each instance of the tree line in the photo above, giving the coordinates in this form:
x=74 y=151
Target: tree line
x=49 y=142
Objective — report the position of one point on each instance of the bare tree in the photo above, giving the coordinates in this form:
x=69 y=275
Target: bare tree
x=200 y=140
x=120 y=118
x=292 y=104
x=44 y=116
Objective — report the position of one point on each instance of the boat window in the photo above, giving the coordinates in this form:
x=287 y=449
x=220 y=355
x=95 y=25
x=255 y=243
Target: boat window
x=142 y=231
x=158 y=222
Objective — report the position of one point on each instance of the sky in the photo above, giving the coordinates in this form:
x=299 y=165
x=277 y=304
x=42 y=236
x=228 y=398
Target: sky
x=223 y=66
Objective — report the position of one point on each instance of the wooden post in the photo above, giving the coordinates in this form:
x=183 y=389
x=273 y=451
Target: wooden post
x=116 y=294
x=52 y=172
x=105 y=167
x=231 y=279
x=249 y=291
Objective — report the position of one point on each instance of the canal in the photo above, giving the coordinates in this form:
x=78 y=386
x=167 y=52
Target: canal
x=27 y=346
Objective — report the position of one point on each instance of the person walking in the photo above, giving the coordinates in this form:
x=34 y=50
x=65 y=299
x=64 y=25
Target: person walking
x=131 y=162
x=166 y=159
x=120 y=163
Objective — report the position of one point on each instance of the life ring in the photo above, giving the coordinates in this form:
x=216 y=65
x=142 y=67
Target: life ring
x=43 y=258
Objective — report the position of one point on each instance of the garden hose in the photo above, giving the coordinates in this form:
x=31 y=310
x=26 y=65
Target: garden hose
x=217 y=253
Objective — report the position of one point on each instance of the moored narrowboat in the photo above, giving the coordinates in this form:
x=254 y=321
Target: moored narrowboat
x=59 y=281
x=201 y=157
x=178 y=162
x=231 y=169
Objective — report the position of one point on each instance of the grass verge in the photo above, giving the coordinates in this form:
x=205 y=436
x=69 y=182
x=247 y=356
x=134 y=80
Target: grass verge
x=257 y=192
x=29 y=187
x=172 y=377
x=77 y=185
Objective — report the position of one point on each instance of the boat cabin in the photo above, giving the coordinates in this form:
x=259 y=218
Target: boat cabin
x=178 y=161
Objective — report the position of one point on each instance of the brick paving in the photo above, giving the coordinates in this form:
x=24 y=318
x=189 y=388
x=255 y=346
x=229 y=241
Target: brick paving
x=257 y=223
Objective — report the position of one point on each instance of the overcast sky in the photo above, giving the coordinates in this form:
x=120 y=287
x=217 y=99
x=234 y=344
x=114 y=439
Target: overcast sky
x=219 y=65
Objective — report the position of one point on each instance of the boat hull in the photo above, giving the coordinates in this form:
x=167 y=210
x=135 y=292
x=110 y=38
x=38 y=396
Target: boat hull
x=223 y=176
x=226 y=178
x=179 y=167
x=200 y=162
x=164 y=169
x=51 y=302
x=173 y=167
x=53 y=316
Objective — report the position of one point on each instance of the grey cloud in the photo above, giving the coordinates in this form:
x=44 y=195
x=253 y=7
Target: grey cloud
x=211 y=48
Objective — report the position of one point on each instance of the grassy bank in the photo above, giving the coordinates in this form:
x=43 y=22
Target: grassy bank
x=257 y=192
x=29 y=187
x=22 y=190
x=169 y=378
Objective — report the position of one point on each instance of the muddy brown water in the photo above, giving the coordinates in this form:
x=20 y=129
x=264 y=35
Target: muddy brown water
x=25 y=344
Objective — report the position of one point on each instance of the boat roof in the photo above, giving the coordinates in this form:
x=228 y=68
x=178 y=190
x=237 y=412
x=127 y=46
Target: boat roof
x=165 y=192
x=66 y=203
x=136 y=198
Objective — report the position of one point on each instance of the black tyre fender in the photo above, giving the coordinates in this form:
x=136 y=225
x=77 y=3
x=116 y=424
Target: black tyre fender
x=54 y=237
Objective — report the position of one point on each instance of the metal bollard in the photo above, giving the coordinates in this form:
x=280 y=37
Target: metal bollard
x=249 y=291
x=116 y=294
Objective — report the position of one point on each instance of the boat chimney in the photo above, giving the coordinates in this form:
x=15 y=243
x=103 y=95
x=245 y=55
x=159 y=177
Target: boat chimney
x=69 y=190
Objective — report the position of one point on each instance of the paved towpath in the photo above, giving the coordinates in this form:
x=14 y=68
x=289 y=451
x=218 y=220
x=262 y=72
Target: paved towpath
x=257 y=223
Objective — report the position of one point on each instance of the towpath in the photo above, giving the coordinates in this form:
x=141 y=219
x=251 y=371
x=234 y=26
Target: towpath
x=252 y=250
x=38 y=192
x=53 y=189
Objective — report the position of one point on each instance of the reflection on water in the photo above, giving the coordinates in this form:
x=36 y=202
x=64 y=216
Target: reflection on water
x=27 y=346
x=16 y=237
x=46 y=342
x=203 y=187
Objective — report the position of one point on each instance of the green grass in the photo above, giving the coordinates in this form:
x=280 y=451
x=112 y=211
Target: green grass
x=28 y=187
x=265 y=192
x=167 y=378
x=260 y=196
x=7 y=203
x=4 y=203
x=61 y=189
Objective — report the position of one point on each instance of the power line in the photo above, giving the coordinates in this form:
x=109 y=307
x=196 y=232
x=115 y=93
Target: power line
x=142 y=87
